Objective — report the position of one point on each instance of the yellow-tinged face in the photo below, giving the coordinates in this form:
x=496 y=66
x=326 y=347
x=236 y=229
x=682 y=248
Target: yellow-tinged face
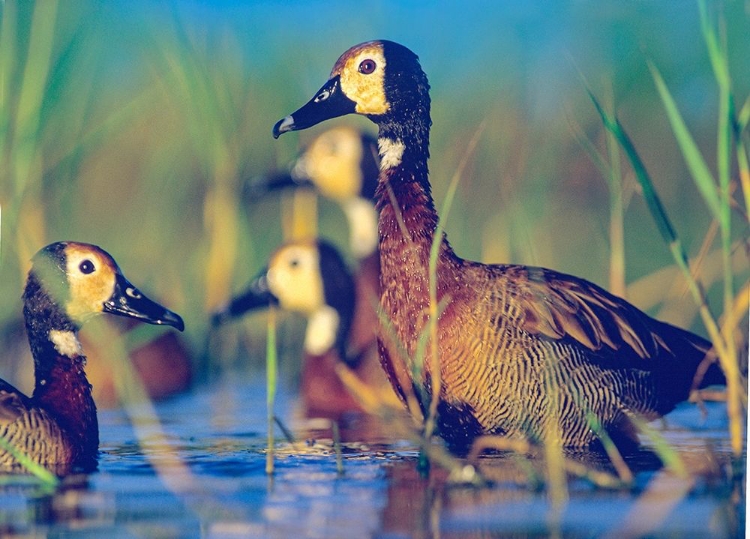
x=362 y=75
x=357 y=86
x=91 y=277
x=294 y=278
x=332 y=162
x=83 y=280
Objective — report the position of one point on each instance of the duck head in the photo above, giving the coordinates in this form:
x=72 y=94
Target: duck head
x=340 y=163
x=307 y=277
x=378 y=79
x=75 y=281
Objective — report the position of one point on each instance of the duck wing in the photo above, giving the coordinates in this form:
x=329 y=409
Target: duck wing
x=562 y=307
x=13 y=403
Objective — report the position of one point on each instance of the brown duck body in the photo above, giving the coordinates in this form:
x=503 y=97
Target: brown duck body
x=48 y=443
x=323 y=392
x=523 y=351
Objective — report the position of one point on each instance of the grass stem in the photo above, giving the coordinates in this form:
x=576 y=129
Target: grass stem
x=271 y=384
x=337 y=448
x=434 y=308
x=725 y=351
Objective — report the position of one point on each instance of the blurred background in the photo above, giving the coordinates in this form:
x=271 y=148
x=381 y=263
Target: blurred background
x=134 y=125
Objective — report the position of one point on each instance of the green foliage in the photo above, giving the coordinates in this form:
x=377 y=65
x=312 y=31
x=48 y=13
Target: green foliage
x=720 y=202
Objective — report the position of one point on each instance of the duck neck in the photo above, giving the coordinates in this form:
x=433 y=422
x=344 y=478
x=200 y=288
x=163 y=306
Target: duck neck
x=407 y=226
x=340 y=300
x=408 y=220
x=61 y=387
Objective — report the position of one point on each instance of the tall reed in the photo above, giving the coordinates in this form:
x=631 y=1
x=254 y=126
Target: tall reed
x=724 y=334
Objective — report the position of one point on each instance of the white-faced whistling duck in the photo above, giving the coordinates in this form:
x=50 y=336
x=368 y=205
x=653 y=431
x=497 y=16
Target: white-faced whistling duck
x=341 y=164
x=311 y=278
x=524 y=351
x=68 y=283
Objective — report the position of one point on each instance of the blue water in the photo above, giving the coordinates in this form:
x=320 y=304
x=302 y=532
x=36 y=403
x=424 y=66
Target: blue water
x=200 y=472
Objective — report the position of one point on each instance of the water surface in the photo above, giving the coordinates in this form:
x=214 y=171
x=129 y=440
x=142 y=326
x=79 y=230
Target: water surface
x=201 y=473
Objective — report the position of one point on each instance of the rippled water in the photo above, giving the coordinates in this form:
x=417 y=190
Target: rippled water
x=201 y=473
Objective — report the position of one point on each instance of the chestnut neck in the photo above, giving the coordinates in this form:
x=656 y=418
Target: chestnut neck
x=61 y=386
x=408 y=219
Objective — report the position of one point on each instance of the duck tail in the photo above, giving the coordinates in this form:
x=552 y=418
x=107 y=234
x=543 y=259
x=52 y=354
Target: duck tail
x=689 y=347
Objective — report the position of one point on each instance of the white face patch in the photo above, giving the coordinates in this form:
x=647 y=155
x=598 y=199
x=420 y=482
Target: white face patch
x=332 y=162
x=66 y=343
x=391 y=152
x=294 y=278
x=91 y=277
x=363 y=226
x=362 y=76
x=322 y=326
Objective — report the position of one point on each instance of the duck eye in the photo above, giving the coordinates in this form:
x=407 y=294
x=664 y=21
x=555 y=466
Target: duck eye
x=367 y=66
x=294 y=262
x=86 y=267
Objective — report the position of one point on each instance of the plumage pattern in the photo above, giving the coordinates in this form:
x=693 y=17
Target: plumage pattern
x=29 y=429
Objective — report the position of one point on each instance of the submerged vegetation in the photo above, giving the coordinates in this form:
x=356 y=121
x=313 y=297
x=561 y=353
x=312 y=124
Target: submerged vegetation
x=136 y=128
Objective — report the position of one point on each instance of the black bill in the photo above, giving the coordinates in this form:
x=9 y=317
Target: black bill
x=128 y=301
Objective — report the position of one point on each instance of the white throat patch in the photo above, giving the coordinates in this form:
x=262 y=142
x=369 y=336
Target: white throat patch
x=66 y=343
x=391 y=152
x=322 y=327
x=363 y=226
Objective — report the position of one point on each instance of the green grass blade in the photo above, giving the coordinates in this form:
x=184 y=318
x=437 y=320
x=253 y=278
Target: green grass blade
x=36 y=73
x=597 y=157
x=697 y=166
x=336 y=433
x=666 y=453
x=400 y=362
x=271 y=385
x=663 y=224
x=8 y=21
x=610 y=168
x=724 y=350
x=744 y=171
x=435 y=308
x=741 y=150
x=743 y=117
x=717 y=53
x=616 y=220
x=43 y=474
x=284 y=430
x=615 y=457
x=723 y=158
